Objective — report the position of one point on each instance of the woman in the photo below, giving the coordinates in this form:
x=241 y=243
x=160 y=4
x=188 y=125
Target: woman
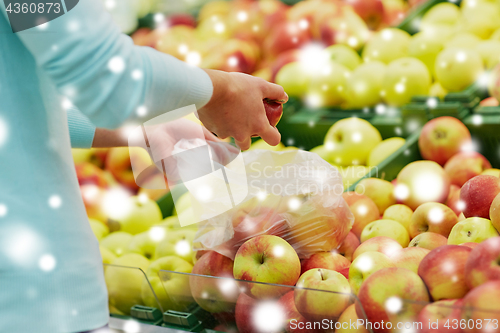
x=51 y=277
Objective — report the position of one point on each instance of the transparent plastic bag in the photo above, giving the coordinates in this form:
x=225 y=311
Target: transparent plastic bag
x=295 y=195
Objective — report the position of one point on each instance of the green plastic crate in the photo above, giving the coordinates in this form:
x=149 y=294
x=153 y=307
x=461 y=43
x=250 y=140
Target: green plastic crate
x=485 y=131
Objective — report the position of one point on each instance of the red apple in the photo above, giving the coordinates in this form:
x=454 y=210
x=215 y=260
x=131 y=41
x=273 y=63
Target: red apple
x=410 y=258
x=181 y=19
x=428 y=240
x=386 y=245
x=420 y=182
x=268 y=259
x=285 y=36
x=348 y=246
x=382 y=295
x=364 y=210
x=483 y=264
x=274 y=111
x=233 y=55
x=119 y=163
x=371 y=11
x=443 y=271
x=89 y=174
x=443 y=137
x=432 y=217
x=478 y=193
x=348 y=321
x=481 y=306
x=244 y=313
x=214 y=295
x=93 y=196
x=294 y=321
x=328 y=260
x=438 y=313
x=453 y=200
x=463 y=166
x=490 y=101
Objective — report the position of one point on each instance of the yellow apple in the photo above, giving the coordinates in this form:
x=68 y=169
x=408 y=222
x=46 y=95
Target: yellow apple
x=490 y=52
x=124 y=280
x=364 y=265
x=145 y=243
x=384 y=149
x=117 y=242
x=399 y=213
x=437 y=90
x=182 y=203
x=491 y=172
x=472 y=229
x=483 y=19
x=350 y=141
x=81 y=155
x=441 y=14
x=379 y=190
x=386 y=228
x=172 y=289
x=463 y=40
x=261 y=144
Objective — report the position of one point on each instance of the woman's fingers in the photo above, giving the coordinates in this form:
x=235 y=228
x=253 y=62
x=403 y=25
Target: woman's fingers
x=274 y=92
x=271 y=135
x=244 y=144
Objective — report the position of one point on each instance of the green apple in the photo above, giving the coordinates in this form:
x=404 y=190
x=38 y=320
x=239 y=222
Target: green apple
x=293 y=78
x=353 y=173
x=310 y=300
x=473 y=229
x=405 y=78
x=425 y=47
x=177 y=243
x=328 y=86
x=117 y=242
x=124 y=280
x=364 y=265
x=437 y=90
x=142 y=214
x=428 y=240
x=261 y=144
x=99 y=229
x=322 y=152
x=442 y=13
x=456 y=68
x=107 y=256
x=386 y=228
x=387 y=45
x=490 y=52
x=183 y=203
x=170 y=222
x=350 y=141
x=464 y=40
x=364 y=85
x=379 y=190
x=483 y=19
x=171 y=289
x=399 y=213
x=144 y=244
x=268 y=259
x=343 y=55
x=384 y=149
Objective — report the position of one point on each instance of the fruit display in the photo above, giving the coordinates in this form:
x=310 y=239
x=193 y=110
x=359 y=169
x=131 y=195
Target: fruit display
x=414 y=246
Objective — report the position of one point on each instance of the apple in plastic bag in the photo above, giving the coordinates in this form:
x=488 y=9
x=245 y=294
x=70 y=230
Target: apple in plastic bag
x=214 y=294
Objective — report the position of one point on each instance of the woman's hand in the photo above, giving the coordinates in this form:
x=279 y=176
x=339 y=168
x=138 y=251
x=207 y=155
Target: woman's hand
x=236 y=108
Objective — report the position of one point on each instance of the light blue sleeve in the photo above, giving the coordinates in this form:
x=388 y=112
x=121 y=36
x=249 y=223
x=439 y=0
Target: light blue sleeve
x=105 y=75
x=81 y=129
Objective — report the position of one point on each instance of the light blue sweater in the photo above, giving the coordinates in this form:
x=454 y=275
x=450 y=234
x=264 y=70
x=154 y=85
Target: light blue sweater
x=51 y=277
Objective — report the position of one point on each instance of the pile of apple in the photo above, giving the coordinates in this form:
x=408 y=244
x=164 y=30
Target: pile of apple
x=260 y=37
x=454 y=47
x=355 y=146
x=423 y=248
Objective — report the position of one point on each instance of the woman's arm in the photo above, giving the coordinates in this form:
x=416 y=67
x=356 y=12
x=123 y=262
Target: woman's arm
x=110 y=80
